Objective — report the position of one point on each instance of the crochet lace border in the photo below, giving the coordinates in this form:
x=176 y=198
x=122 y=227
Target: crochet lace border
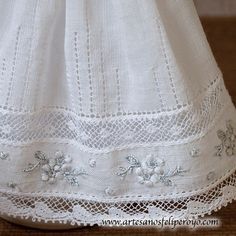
x=117 y=133
x=81 y=211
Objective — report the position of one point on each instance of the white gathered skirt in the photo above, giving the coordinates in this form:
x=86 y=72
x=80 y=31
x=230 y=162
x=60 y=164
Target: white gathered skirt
x=111 y=109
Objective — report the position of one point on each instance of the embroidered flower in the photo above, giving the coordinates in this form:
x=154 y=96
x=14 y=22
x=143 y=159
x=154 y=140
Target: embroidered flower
x=55 y=168
x=109 y=191
x=211 y=175
x=92 y=162
x=151 y=171
x=228 y=140
x=195 y=152
x=3 y=155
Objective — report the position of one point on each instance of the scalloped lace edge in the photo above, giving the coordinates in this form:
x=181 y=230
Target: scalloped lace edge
x=82 y=212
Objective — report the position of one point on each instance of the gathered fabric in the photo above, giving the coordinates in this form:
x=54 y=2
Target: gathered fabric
x=111 y=110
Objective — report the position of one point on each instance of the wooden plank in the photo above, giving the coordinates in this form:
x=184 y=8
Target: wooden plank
x=216 y=7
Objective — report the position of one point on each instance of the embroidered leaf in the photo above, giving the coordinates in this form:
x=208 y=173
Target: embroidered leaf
x=80 y=172
x=133 y=161
x=166 y=181
x=123 y=171
x=121 y=168
x=40 y=156
x=179 y=171
x=72 y=180
x=170 y=173
x=60 y=160
x=3 y=155
x=219 y=149
x=71 y=176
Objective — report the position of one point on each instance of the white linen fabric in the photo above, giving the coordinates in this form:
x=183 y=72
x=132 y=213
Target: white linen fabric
x=111 y=109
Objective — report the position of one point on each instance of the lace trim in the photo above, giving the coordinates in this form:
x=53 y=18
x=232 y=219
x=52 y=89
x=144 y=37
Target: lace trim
x=72 y=210
x=101 y=135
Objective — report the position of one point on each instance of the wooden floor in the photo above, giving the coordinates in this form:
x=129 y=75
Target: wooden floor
x=221 y=34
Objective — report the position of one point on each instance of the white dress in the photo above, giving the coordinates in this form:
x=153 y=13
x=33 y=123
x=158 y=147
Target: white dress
x=111 y=109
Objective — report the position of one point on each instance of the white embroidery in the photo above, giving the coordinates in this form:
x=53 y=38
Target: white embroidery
x=195 y=152
x=151 y=171
x=56 y=168
x=228 y=140
x=109 y=191
x=211 y=175
x=3 y=155
x=92 y=162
